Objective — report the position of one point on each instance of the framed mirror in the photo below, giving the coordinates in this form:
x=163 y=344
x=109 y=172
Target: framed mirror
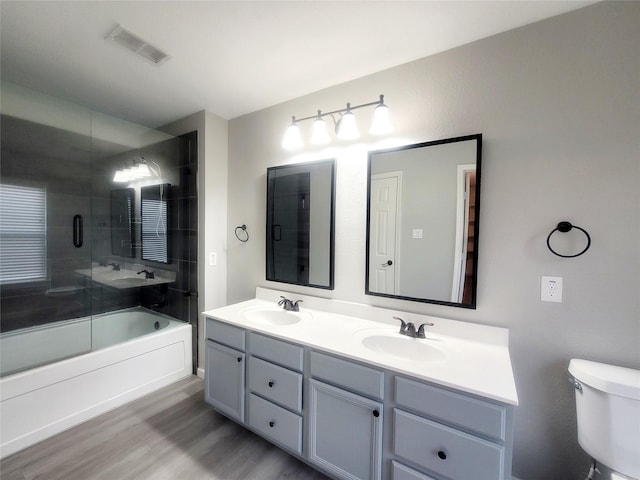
x=155 y=220
x=122 y=213
x=422 y=221
x=300 y=224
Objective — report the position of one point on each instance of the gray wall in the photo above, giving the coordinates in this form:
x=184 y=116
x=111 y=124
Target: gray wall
x=558 y=104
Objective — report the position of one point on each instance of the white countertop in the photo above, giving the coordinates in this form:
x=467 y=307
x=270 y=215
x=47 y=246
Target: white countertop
x=476 y=357
x=124 y=277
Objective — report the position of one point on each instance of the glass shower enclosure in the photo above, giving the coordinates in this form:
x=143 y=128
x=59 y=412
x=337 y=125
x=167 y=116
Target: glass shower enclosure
x=96 y=215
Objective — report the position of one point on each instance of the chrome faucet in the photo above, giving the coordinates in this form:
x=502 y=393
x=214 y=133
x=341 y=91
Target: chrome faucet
x=403 y=326
x=420 y=333
x=409 y=329
x=288 y=305
x=116 y=266
x=147 y=274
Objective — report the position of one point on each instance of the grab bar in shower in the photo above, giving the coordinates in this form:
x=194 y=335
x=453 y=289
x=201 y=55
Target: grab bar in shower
x=77 y=231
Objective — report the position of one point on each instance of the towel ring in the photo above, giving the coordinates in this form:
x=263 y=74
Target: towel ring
x=246 y=234
x=564 y=227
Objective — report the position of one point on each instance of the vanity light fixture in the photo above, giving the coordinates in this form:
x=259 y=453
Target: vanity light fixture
x=381 y=123
x=292 y=139
x=320 y=134
x=346 y=128
x=137 y=171
x=345 y=125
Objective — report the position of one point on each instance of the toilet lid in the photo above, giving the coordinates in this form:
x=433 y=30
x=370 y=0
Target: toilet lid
x=607 y=378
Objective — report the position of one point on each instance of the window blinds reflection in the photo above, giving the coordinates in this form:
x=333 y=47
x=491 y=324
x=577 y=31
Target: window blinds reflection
x=154 y=223
x=23 y=234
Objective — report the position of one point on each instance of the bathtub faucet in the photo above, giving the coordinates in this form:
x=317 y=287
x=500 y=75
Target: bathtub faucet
x=147 y=274
x=116 y=266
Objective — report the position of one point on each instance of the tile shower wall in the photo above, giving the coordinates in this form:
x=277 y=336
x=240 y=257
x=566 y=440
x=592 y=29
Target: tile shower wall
x=179 y=299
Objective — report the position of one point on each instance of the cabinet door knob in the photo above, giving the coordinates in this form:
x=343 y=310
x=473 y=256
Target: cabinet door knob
x=376 y=413
x=442 y=455
x=272 y=424
x=271 y=384
x=239 y=359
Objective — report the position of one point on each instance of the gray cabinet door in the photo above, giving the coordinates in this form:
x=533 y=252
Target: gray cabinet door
x=224 y=379
x=345 y=435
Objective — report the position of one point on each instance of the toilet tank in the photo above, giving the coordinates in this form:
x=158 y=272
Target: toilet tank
x=608 y=414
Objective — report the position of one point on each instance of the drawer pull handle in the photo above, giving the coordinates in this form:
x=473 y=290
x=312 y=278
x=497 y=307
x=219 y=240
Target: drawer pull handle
x=376 y=413
x=239 y=359
x=272 y=423
x=442 y=455
x=271 y=384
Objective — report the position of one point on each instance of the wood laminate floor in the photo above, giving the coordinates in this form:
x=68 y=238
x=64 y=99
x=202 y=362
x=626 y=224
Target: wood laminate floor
x=169 y=434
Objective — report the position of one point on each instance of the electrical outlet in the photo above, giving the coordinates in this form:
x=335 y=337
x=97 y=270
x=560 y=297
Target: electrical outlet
x=213 y=259
x=551 y=289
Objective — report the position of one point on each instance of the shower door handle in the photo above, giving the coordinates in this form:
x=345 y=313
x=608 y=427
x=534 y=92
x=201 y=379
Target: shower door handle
x=276 y=233
x=77 y=231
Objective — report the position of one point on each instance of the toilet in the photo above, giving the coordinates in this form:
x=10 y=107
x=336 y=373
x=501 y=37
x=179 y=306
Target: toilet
x=608 y=414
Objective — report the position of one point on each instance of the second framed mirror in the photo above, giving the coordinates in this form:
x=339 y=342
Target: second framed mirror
x=422 y=221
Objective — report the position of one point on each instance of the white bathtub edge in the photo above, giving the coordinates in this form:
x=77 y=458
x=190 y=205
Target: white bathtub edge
x=60 y=411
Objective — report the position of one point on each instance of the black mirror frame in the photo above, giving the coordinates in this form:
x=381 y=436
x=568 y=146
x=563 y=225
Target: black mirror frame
x=331 y=284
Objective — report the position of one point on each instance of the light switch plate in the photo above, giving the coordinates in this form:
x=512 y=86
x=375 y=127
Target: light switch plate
x=416 y=233
x=551 y=289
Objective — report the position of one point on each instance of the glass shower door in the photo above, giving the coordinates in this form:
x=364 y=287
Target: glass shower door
x=45 y=212
x=71 y=230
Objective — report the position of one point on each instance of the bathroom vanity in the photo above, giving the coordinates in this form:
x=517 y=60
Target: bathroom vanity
x=336 y=385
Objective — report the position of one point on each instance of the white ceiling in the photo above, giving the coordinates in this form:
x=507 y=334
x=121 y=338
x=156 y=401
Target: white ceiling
x=233 y=57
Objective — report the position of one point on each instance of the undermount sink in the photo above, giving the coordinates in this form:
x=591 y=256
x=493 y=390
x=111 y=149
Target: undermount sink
x=391 y=343
x=273 y=316
x=128 y=281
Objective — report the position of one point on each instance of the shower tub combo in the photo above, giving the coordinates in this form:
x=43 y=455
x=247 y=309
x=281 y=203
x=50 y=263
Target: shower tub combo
x=119 y=356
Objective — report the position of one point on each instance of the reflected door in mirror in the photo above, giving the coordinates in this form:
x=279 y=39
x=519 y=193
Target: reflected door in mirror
x=430 y=234
x=290 y=230
x=384 y=215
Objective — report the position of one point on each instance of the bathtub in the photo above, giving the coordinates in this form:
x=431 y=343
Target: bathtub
x=135 y=351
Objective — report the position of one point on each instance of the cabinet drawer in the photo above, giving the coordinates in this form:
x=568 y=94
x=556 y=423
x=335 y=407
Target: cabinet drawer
x=446 y=451
x=402 y=472
x=467 y=412
x=276 y=383
x=276 y=351
x=276 y=423
x=351 y=376
x=226 y=334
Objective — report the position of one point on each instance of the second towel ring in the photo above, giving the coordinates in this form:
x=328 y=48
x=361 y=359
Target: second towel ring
x=564 y=227
x=246 y=234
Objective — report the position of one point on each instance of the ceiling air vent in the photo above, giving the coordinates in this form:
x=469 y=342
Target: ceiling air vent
x=137 y=45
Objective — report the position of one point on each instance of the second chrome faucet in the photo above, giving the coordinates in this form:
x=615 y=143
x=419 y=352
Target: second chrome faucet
x=409 y=329
x=289 y=305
